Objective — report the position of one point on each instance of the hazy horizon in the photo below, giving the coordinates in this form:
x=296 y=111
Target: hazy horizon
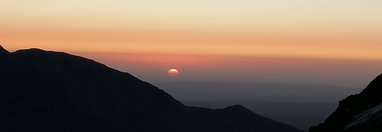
x=300 y=51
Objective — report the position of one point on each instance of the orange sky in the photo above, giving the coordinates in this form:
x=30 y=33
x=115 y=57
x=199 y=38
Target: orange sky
x=340 y=29
x=308 y=42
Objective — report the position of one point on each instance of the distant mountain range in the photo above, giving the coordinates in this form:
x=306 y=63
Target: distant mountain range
x=357 y=113
x=45 y=91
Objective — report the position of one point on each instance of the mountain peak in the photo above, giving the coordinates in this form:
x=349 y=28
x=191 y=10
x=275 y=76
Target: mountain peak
x=54 y=91
x=238 y=108
x=357 y=113
x=374 y=87
x=3 y=51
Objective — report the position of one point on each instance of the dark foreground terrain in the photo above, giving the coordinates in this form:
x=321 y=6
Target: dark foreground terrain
x=44 y=91
x=357 y=113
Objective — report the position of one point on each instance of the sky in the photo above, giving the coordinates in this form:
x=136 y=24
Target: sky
x=295 y=55
x=340 y=29
x=326 y=42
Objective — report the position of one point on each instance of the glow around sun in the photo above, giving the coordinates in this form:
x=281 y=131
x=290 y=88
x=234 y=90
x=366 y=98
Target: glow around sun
x=173 y=72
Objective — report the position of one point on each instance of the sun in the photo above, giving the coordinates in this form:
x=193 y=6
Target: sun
x=173 y=72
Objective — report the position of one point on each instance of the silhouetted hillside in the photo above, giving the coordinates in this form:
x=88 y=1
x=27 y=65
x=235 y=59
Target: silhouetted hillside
x=57 y=92
x=357 y=113
x=3 y=52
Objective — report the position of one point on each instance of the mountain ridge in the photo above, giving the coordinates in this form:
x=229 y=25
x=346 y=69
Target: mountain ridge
x=3 y=51
x=55 y=91
x=348 y=117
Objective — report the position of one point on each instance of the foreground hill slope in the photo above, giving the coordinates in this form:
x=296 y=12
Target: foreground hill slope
x=54 y=91
x=357 y=113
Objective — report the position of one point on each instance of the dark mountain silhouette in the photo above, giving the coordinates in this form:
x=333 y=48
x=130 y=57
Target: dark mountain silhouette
x=357 y=113
x=3 y=52
x=49 y=91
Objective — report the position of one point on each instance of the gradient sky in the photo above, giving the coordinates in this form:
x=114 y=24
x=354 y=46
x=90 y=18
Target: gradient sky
x=225 y=50
x=341 y=29
x=318 y=41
